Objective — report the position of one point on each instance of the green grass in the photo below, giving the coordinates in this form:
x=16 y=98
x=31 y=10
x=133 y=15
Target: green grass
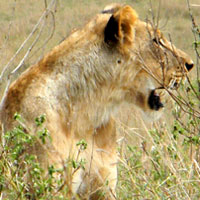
x=157 y=160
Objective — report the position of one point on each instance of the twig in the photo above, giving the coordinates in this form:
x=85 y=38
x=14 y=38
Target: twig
x=27 y=39
x=49 y=38
x=28 y=51
x=41 y=20
x=195 y=30
x=178 y=101
x=92 y=155
x=4 y=94
x=152 y=13
x=195 y=5
x=158 y=15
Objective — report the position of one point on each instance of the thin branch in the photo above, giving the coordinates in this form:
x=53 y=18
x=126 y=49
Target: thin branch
x=180 y=102
x=195 y=5
x=158 y=15
x=49 y=38
x=27 y=39
x=195 y=31
x=28 y=51
x=91 y=159
x=4 y=94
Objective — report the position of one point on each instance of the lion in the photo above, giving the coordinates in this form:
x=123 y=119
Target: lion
x=80 y=85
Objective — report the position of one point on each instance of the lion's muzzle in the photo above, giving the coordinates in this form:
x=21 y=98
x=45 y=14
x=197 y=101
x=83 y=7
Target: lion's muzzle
x=154 y=101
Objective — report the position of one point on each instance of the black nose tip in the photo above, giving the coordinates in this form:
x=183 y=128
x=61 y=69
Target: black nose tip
x=189 y=66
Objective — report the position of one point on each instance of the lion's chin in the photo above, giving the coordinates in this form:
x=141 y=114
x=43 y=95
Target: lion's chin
x=154 y=101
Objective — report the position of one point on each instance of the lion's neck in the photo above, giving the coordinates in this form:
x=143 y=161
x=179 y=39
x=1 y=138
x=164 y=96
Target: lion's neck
x=83 y=77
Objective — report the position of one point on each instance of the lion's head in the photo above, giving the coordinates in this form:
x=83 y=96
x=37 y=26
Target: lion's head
x=147 y=64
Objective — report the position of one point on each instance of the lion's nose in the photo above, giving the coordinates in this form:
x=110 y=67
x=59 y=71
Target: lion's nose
x=189 y=65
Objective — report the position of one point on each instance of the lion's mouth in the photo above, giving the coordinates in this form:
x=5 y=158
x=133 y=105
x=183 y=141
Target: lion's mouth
x=174 y=84
x=154 y=101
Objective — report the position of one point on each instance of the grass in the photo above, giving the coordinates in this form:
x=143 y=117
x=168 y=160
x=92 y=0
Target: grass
x=158 y=160
x=164 y=166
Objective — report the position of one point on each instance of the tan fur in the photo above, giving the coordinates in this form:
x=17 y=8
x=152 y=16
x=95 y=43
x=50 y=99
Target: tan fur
x=81 y=84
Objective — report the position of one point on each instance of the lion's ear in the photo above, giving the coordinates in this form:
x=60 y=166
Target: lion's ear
x=120 y=27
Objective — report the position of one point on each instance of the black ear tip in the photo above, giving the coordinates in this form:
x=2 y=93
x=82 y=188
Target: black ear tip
x=111 y=31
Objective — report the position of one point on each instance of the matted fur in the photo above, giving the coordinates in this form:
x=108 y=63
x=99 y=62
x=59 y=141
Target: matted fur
x=81 y=83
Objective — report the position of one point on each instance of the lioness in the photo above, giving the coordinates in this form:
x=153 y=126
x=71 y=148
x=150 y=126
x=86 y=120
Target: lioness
x=114 y=59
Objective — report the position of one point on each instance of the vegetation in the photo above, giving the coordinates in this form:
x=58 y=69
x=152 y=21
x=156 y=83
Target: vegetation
x=156 y=161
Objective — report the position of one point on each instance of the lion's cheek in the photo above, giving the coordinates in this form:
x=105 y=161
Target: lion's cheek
x=146 y=101
x=137 y=98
